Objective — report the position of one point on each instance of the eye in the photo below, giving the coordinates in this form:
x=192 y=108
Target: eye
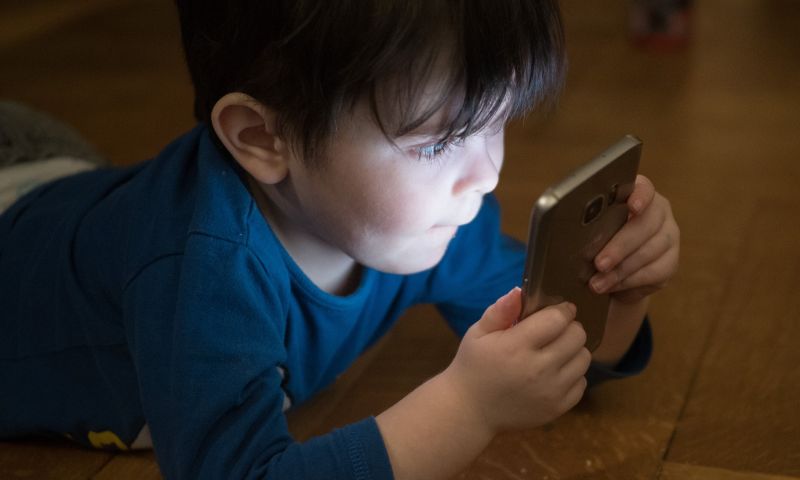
x=430 y=153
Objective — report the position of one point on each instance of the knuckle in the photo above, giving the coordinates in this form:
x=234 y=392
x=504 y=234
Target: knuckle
x=647 y=272
x=559 y=315
x=562 y=314
x=668 y=204
x=623 y=270
x=665 y=241
x=583 y=386
x=661 y=218
x=624 y=284
x=577 y=392
x=587 y=359
x=623 y=244
x=579 y=332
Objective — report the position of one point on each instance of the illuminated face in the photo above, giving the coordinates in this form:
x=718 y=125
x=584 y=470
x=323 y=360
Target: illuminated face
x=391 y=207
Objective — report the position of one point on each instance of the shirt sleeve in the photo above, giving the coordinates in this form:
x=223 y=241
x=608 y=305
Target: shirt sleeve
x=632 y=363
x=206 y=336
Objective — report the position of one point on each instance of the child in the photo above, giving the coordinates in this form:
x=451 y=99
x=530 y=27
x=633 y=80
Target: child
x=341 y=171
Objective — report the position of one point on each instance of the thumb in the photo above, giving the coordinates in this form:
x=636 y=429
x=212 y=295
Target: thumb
x=502 y=314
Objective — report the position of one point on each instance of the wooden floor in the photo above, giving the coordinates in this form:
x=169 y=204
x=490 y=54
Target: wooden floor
x=720 y=123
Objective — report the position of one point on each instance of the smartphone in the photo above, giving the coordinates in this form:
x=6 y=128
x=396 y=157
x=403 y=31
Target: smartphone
x=570 y=223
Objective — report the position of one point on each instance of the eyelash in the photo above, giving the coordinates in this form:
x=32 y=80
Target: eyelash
x=433 y=153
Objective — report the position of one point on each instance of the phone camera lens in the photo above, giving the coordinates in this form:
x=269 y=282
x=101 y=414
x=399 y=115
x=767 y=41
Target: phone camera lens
x=593 y=209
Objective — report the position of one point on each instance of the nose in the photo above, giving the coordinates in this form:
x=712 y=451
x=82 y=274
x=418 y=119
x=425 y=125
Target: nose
x=481 y=166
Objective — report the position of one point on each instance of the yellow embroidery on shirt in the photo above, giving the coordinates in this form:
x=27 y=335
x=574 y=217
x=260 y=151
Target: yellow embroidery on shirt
x=103 y=439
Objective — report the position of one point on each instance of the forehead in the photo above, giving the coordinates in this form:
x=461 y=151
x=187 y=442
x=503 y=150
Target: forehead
x=422 y=98
x=439 y=112
x=360 y=126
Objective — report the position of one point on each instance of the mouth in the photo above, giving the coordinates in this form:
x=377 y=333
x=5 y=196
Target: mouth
x=460 y=223
x=466 y=221
x=445 y=228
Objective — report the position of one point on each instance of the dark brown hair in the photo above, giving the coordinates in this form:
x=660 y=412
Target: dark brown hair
x=312 y=60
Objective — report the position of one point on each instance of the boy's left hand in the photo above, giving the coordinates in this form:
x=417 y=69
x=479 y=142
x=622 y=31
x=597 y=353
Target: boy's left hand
x=641 y=258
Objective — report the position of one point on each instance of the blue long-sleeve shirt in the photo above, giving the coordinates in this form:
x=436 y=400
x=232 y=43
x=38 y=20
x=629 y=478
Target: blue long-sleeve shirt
x=157 y=296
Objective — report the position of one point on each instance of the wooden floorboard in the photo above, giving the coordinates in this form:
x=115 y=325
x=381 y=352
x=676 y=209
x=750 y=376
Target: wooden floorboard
x=130 y=466
x=679 y=471
x=722 y=140
x=22 y=21
x=743 y=410
x=115 y=74
x=49 y=460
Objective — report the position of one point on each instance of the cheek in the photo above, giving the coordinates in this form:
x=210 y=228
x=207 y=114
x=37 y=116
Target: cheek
x=384 y=217
x=381 y=199
x=400 y=211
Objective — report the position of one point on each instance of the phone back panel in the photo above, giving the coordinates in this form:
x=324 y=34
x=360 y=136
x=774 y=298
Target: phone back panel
x=570 y=223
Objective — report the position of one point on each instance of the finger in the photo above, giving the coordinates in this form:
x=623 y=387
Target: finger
x=500 y=315
x=544 y=326
x=655 y=247
x=574 y=394
x=565 y=346
x=643 y=193
x=655 y=274
x=636 y=231
x=576 y=366
x=635 y=294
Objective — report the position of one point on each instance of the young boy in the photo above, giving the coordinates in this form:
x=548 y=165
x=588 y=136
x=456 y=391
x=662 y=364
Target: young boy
x=340 y=172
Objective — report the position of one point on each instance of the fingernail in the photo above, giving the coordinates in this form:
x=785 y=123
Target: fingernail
x=637 y=206
x=603 y=264
x=507 y=297
x=598 y=284
x=572 y=308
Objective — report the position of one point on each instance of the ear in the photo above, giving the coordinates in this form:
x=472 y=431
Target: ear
x=248 y=130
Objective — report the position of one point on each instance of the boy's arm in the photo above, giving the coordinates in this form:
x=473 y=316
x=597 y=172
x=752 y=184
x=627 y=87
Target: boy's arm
x=504 y=377
x=206 y=360
x=432 y=432
x=623 y=324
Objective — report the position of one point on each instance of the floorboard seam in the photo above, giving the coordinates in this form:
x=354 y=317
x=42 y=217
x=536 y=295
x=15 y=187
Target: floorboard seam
x=715 y=325
x=102 y=467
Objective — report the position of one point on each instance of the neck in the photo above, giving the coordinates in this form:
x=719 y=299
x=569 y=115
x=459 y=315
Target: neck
x=327 y=267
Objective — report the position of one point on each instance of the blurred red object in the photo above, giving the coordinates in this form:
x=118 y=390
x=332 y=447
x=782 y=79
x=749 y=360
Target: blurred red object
x=660 y=24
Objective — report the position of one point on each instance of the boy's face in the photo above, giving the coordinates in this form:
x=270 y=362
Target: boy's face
x=394 y=208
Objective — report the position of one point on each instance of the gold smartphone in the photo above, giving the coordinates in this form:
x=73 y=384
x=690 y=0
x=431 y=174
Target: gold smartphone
x=570 y=223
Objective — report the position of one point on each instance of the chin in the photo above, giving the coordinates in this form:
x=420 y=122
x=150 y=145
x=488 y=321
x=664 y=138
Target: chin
x=409 y=255
x=408 y=264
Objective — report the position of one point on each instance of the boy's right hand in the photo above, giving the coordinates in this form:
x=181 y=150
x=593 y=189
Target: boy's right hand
x=521 y=376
